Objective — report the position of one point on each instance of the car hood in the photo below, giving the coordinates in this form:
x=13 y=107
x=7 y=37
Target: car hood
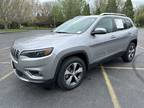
x=38 y=42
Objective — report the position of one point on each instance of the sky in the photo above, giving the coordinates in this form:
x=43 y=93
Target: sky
x=136 y=3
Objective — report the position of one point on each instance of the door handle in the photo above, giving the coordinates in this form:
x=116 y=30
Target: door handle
x=113 y=37
x=130 y=33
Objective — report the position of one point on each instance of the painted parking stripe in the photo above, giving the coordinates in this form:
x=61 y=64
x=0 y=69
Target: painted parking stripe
x=123 y=68
x=6 y=48
x=110 y=89
x=6 y=76
x=141 y=47
x=5 y=63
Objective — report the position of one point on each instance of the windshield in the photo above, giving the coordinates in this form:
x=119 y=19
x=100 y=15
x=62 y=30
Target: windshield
x=76 y=25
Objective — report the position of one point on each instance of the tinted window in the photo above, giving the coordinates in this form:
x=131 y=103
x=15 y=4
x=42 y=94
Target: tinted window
x=128 y=23
x=106 y=23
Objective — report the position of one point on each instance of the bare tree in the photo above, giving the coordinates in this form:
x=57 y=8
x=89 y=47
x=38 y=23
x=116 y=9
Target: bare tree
x=120 y=5
x=100 y=6
x=5 y=12
x=46 y=8
x=24 y=10
x=15 y=10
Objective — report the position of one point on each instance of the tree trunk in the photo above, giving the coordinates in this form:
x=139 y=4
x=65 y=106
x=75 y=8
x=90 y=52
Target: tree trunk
x=5 y=26
x=20 y=26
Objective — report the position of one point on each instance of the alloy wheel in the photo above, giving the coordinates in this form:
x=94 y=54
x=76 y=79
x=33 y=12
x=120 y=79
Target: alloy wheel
x=73 y=74
x=131 y=52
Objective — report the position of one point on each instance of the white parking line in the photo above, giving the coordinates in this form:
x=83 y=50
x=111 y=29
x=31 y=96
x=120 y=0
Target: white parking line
x=123 y=68
x=6 y=76
x=6 y=48
x=141 y=47
x=5 y=63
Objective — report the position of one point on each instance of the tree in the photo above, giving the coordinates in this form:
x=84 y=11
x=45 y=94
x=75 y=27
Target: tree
x=128 y=9
x=5 y=11
x=86 y=9
x=111 y=6
x=100 y=6
x=57 y=15
x=59 y=11
x=72 y=8
x=120 y=5
x=139 y=16
x=15 y=11
x=46 y=8
x=24 y=11
x=98 y=11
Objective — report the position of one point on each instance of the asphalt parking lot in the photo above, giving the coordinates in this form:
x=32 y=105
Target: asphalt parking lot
x=113 y=85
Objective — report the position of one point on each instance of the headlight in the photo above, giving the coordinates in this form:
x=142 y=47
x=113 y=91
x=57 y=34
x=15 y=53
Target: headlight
x=37 y=53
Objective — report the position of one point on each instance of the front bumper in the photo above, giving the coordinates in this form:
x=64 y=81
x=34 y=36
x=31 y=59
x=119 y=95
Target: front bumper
x=37 y=70
x=28 y=78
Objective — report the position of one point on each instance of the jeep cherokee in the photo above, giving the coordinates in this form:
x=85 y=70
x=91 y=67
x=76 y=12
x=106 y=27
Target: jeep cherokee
x=65 y=54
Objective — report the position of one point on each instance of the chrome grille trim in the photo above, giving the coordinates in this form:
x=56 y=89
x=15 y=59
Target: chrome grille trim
x=15 y=53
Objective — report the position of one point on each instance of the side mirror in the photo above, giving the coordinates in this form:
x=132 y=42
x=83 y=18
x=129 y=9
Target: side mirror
x=99 y=31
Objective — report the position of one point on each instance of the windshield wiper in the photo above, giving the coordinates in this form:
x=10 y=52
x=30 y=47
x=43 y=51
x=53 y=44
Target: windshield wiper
x=61 y=32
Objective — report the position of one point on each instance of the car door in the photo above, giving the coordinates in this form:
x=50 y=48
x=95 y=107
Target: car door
x=120 y=36
x=100 y=44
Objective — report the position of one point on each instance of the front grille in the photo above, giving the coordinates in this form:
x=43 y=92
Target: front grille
x=15 y=53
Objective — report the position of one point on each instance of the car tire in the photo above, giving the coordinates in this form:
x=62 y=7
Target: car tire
x=130 y=53
x=71 y=73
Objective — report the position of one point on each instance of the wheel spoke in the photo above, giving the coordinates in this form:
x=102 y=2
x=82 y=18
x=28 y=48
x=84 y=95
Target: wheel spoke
x=76 y=78
x=75 y=66
x=79 y=70
x=73 y=74
x=67 y=72
x=68 y=81
x=131 y=52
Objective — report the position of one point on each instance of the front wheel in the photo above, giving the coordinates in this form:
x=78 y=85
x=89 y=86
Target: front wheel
x=130 y=53
x=71 y=73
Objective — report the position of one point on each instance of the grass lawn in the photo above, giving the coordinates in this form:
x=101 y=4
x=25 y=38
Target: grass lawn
x=23 y=29
x=36 y=28
x=11 y=30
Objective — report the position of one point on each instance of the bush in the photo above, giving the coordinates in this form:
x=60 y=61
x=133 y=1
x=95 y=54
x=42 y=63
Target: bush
x=139 y=19
x=14 y=25
x=1 y=26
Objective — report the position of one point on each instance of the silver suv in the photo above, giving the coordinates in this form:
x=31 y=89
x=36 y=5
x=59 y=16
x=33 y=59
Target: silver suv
x=65 y=54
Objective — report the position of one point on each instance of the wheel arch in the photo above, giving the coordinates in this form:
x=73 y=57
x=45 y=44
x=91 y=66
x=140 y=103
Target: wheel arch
x=81 y=54
x=134 y=41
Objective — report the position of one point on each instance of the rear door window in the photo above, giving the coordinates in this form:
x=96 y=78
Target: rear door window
x=119 y=24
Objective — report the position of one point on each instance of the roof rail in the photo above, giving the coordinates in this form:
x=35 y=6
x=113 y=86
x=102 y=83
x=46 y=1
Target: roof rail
x=118 y=14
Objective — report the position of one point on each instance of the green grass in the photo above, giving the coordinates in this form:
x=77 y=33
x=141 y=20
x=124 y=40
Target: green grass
x=11 y=30
x=36 y=28
x=23 y=29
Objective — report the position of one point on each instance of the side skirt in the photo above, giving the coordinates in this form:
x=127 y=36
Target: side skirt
x=93 y=65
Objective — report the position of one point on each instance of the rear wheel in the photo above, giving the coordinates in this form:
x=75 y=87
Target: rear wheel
x=130 y=53
x=71 y=73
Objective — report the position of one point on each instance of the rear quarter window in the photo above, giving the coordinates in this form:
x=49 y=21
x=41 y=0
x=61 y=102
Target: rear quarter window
x=128 y=23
